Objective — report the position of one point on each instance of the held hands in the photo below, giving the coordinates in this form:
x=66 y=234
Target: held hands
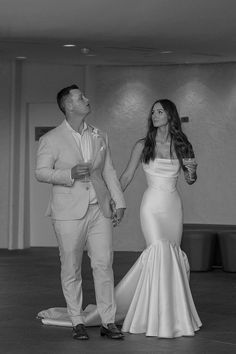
x=117 y=214
x=81 y=170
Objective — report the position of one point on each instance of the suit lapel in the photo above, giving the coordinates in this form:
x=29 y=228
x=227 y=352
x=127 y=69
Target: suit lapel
x=95 y=138
x=96 y=143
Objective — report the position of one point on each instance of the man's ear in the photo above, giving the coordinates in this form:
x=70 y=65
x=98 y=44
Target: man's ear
x=68 y=104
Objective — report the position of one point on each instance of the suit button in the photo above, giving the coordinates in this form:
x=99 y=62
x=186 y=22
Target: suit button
x=87 y=188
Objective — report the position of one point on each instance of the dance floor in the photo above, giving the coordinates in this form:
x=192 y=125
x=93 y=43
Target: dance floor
x=30 y=282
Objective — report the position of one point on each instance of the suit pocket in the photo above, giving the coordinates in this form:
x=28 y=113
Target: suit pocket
x=61 y=189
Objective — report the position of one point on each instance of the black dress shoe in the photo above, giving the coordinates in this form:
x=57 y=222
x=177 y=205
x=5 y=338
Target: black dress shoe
x=111 y=331
x=79 y=332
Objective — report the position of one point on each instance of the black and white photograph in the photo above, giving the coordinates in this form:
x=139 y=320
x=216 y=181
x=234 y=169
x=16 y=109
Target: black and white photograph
x=118 y=177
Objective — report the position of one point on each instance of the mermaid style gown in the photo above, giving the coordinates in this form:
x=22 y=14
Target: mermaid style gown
x=154 y=297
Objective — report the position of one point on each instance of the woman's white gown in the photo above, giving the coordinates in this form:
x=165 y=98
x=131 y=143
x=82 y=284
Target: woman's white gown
x=154 y=297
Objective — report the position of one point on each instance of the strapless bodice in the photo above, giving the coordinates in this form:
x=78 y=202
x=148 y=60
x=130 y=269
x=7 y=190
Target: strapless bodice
x=162 y=173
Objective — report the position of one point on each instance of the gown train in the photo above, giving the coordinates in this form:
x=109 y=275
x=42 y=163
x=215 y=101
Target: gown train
x=154 y=297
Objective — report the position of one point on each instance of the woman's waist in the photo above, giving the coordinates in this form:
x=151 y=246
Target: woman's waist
x=160 y=183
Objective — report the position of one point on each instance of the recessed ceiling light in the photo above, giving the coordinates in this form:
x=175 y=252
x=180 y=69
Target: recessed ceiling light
x=166 y=52
x=69 y=45
x=21 y=58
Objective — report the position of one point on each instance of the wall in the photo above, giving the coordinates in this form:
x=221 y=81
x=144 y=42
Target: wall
x=120 y=98
x=34 y=83
x=5 y=120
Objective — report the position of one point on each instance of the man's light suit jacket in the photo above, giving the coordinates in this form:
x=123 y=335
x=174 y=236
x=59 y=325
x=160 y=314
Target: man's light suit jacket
x=57 y=153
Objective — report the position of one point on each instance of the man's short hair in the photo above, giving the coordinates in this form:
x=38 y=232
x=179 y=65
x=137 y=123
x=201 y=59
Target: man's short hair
x=62 y=95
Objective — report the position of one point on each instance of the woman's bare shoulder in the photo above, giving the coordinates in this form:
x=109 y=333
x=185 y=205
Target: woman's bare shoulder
x=139 y=144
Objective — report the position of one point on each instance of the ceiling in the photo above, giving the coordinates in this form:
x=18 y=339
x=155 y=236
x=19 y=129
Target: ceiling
x=117 y=32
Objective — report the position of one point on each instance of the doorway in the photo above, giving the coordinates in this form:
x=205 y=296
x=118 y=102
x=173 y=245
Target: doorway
x=41 y=117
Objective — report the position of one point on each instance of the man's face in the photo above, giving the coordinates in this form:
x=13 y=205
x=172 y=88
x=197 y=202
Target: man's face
x=78 y=103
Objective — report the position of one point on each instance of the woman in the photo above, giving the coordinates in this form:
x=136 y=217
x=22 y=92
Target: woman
x=162 y=304
x=154 y=296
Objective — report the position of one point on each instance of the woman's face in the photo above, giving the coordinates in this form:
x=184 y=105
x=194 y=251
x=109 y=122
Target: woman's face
x=159 y=116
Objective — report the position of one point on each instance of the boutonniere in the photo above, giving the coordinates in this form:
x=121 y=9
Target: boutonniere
x=102 y=148
x=95 y=132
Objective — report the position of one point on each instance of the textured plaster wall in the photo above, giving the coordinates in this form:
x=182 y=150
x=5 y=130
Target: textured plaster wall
x=121 y=98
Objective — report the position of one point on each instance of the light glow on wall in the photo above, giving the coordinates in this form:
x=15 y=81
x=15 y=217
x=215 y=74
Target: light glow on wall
x=131 y=105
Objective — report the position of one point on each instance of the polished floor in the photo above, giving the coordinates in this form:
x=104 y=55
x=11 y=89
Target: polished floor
x=30 y=281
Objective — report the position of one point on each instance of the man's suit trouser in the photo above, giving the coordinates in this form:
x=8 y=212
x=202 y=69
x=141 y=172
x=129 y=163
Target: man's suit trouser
x=94 y=231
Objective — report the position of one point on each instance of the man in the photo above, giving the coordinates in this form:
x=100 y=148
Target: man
x=75 y=158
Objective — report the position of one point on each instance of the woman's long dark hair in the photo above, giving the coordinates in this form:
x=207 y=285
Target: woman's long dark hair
x=179 y=140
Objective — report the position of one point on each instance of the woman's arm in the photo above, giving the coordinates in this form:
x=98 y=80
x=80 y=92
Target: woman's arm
x=111 y=179
x=133 y=164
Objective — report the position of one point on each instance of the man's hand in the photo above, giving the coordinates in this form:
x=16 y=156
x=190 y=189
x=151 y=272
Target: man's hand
x=81 y=170
x=117 y=216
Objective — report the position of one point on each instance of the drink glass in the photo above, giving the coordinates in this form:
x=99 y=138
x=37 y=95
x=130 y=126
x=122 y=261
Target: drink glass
x=86 y=178
x=190 y=165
